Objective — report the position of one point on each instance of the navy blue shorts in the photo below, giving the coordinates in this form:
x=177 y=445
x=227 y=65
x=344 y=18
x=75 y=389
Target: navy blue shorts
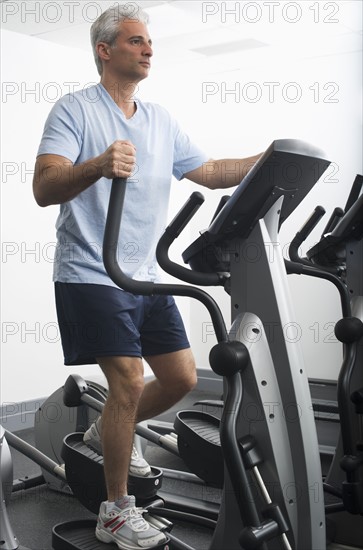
x=99 y=320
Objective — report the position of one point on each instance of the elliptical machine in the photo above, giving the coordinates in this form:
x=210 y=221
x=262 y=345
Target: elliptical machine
x=253 y=424
x=338 y=258
x=272 y=466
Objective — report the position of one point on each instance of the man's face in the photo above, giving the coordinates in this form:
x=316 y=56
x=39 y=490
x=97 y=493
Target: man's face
x=129 y=57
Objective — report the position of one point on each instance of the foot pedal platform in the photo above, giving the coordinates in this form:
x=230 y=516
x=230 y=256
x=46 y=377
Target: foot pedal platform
x=74 y=535
x=80 y=535
x=199 y=445
x=84 y=472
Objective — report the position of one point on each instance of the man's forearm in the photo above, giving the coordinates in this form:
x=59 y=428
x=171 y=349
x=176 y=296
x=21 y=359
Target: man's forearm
x=57 y=180
x=225 y=173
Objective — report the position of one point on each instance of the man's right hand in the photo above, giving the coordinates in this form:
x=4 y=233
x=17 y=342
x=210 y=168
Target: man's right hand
x=119 y=160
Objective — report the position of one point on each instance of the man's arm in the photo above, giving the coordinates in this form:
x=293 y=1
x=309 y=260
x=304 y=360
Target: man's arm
x=223 y=173
x=57 y=179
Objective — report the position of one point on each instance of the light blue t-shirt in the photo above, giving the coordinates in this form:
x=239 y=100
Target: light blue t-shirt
x=81 y=126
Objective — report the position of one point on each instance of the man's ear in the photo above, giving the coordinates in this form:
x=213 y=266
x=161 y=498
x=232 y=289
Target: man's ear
x=103 y=50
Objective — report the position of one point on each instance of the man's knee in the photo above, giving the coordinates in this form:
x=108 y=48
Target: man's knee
x=182 y=383
x=125 y=376
x=175 y=371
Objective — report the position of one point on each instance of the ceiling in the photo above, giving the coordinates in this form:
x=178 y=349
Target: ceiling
x=223 y=36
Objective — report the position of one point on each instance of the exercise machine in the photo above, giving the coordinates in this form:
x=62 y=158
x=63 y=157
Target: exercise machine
x=338 y=258
x=49 y=434
x=272 y=466
x=268 y=442
x=54 y=420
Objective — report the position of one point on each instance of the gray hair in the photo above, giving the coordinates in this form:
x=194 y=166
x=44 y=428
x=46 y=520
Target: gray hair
x=106 y=26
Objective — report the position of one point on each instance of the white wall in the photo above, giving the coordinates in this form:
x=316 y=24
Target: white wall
x=32 y=362
x=31 y=352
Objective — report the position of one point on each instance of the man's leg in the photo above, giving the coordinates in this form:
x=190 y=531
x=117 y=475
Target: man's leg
x=125 y=386
x=175 y=377
x=119 y=521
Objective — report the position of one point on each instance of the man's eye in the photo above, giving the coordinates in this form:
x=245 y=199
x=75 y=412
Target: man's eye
x=136 y=41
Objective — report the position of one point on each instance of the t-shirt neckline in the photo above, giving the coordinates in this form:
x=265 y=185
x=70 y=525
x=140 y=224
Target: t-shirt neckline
x=114 y=105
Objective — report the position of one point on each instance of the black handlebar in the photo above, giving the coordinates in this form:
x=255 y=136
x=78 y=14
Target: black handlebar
x=302 y=235
x=333 y=221
x=184 y=215
x=110 y=243
x=173 y=230
x=148 y=288
x=299 y=265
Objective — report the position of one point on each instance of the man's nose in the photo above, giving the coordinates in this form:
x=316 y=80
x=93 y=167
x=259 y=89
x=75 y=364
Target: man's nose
x=148 y=50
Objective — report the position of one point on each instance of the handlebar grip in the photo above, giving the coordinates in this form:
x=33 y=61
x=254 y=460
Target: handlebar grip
x=173 y=230
x=311 y=223
x=110 y=242
x=185 y=214
x=113 y=219
x=337 y=214
x=301 y=235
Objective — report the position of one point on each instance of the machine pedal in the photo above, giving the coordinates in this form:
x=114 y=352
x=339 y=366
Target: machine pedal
x=84 y=471
x=80 y=535
x=200 y=446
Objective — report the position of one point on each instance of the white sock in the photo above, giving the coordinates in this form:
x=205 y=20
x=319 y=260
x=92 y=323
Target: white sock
x=121 y=503
x=109 y=506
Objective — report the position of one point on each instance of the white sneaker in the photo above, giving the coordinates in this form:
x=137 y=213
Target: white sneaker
x=138 y=465
x=127 y=528
x=92 y=438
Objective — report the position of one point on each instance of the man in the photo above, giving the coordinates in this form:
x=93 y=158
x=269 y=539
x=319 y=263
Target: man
x=89 y=138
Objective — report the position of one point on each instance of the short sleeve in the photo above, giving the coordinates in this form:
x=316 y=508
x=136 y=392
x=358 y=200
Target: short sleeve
x=187 y=156
x=63 y=129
